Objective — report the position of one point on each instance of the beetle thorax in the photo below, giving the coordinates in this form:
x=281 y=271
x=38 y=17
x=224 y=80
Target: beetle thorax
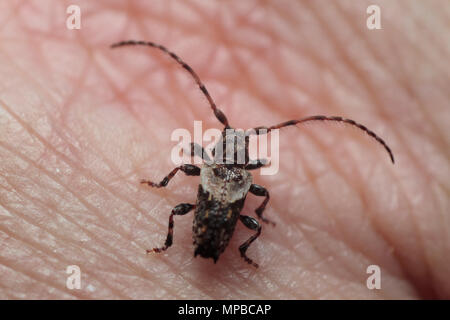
x=225 y=184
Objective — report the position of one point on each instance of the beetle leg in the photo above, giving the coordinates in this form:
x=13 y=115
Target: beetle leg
x=188 y=169
x=256 y=164
x=252 y=224
x=197 y=150
x=179 y=210
x=258 y=190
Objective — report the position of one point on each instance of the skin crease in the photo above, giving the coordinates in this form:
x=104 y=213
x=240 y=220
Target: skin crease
x=81 y=124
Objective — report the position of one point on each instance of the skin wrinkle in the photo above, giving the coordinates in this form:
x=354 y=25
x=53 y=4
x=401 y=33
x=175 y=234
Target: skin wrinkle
x=311 y=267
x=189 y=107
x=85 y=203
x=38 y=278
x=176 y=270
x=373 y=52
x=209 y=290
x=316 y=249
x=312 y=58
x=353 y=68
x=221 y=272
x=422 y=25
x=27 y=272
x=276 y=282
x=4 y=295
x=249 y=281
x=369 y=215
x=117 y=93
x=279 y=244
x=405 y=85
x=421 y=240
x=67 y=240
x=336 y=168
x=177 y=89
x=49 y=253
x=287 y=290
x=364 y=199
x=211 y=285
x=79 y=84
x=31 y=131
x=277 y=209
x=367 y=86
x=49 y=147
x=121 y=96
x=374 y=97
x=328 y=212
x=400 y=259
x=330 y=286
x=313 y=178
x=11 y=16
x=246 y=81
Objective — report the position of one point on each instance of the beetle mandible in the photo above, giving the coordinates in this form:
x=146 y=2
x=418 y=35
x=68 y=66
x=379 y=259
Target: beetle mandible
x=225 y=182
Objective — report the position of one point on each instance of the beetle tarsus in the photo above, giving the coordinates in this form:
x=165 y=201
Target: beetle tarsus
x=188 y=169
x=260 y=191
x=252 y=224
x=258 y=163
x=179 y=210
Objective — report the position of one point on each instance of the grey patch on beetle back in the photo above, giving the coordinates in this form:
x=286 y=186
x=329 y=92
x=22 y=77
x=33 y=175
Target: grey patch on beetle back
x=225 y=184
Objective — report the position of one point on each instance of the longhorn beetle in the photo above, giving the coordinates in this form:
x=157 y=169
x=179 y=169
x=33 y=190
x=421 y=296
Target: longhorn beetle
x=224 y=185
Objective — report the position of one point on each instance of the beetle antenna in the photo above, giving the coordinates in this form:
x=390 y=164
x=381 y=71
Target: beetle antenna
x=217 y=112
x=325 y=118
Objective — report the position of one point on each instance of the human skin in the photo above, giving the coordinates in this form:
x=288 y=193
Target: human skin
x=81 y=125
